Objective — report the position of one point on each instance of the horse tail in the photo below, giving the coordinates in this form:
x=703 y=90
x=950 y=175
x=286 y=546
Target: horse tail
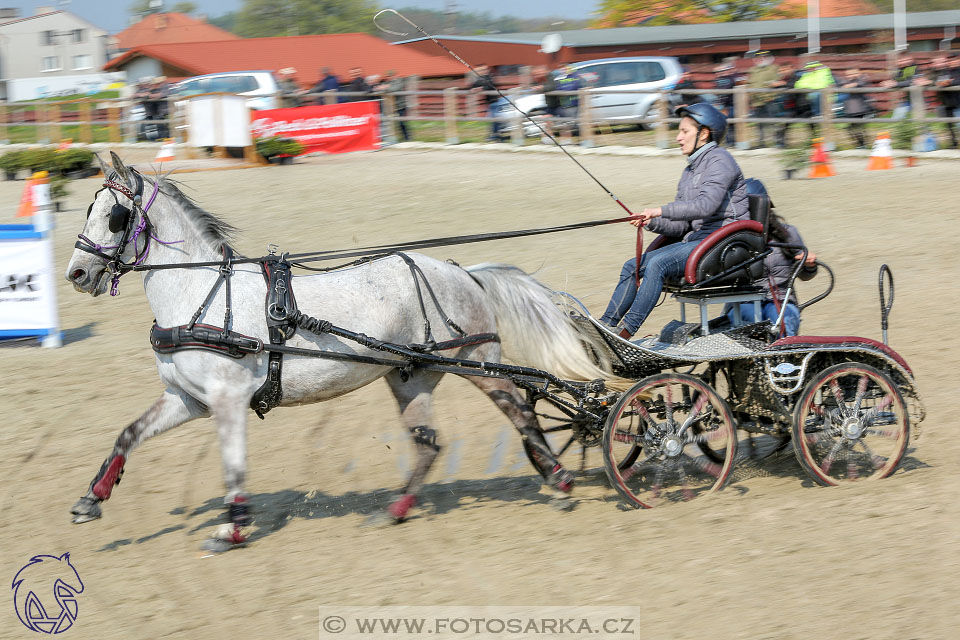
x=534 y=331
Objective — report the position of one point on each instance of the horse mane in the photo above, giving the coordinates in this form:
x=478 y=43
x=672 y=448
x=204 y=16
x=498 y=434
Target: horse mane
x=216 y=232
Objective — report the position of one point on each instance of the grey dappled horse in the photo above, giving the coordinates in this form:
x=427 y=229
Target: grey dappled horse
x=377 y=298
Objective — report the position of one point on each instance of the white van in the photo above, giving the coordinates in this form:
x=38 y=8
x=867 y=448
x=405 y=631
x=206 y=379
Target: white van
x=641 y=73
x=261 y=86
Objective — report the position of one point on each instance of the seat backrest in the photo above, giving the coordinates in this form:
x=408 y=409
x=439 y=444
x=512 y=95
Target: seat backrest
x=724 y=249
x=759 y=208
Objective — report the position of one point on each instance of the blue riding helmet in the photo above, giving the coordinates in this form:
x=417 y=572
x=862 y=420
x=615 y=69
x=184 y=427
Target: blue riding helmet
x=706 y=116
x=756 y=188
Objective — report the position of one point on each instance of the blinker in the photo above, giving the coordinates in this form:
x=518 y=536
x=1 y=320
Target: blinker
x=119 y=216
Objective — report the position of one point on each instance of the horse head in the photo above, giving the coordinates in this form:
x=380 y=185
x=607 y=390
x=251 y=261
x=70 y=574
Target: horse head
x=105 y=241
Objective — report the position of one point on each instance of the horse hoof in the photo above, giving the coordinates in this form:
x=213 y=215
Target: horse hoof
x=225 y=538
x=380 y=520
x=85 y=510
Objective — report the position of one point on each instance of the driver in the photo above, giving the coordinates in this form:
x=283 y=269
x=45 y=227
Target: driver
x=711 y=193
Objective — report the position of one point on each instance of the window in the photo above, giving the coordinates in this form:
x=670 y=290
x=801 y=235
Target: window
x=82 y=61
x=622 y=73
x=651 y=72
x=48 y=38
x=78 y=35
x=233 y=84
x=50 y=63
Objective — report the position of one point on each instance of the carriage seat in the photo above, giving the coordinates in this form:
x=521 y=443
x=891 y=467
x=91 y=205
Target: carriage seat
x=723 y=250
x=725 y=266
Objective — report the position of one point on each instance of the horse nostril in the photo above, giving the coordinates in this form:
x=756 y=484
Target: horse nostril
x=77 y=274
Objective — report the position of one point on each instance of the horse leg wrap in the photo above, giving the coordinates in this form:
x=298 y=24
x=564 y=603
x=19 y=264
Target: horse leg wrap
x=239 y=519
x=401 y=506
x=109 y=475
x=560 y=478
x=240 y=512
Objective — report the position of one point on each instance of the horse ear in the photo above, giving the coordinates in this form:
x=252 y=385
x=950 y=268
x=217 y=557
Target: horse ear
x=104 y=167
x=120 y=168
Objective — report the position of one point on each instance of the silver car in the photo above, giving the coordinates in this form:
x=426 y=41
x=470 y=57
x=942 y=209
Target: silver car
x=624 y=74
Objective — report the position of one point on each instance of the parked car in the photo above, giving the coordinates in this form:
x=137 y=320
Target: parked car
x=640 y=73
x=261 y=86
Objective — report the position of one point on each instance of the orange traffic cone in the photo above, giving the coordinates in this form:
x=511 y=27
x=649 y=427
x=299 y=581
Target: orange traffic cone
x=166 y=151
x=821 y=162
x=27 y=206
x=881 y=157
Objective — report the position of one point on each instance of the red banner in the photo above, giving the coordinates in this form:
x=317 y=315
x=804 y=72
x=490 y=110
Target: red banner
x=330 y=128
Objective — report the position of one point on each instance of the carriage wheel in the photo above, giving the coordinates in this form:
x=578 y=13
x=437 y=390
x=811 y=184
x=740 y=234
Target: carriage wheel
x=850 y=424
x=664 y=438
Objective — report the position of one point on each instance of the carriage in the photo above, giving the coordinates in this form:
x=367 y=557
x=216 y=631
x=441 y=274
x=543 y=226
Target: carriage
x=669 y=412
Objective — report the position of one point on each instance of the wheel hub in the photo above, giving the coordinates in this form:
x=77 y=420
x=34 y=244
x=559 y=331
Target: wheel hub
x=672 y=446
x=852 y=428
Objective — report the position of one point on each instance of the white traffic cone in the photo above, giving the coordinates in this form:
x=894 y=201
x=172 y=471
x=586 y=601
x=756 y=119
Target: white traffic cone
x=166 y=153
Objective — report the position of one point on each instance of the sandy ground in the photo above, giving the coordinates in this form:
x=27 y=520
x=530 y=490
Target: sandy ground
x=773 y=556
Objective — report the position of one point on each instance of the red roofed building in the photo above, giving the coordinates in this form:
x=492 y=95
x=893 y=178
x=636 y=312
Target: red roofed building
x=165 y=28
x=307 y=54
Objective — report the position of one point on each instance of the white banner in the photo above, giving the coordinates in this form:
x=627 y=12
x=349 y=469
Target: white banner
x=27 y=295
x=219 y=121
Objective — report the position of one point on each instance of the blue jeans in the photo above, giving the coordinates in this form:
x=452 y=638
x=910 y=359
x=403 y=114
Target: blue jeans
x=633 y=305
x=791 y=317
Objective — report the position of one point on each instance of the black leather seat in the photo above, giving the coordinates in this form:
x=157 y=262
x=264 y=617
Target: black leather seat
x=714 y=262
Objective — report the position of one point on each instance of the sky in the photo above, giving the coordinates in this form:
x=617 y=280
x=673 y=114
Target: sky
x=113 y=15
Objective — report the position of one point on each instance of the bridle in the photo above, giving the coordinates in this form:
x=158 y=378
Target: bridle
x=122 y=220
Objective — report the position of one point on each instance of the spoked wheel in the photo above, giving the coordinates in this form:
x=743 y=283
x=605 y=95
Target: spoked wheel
x=850 y=424
x=671 y=437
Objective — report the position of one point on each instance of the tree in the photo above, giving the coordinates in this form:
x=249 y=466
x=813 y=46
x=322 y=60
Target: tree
x=886 y=6
x=143 y=7
x=621 y=13
x=264 y=18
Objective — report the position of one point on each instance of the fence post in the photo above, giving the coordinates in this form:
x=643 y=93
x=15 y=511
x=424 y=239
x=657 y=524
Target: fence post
x=585 y=117
x=40 y=117
x=741 y=109
x=517 y=122
x=4 y=130
x=389 y=118
x=330 y=96
x=113 y=122
x=826 y=116
x=662 y=128
x=413 y=100
x=917 y=110
x=54 y=119
x=450 y=114
x=86 y=129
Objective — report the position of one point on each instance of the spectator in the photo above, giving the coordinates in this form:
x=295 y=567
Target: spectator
x=726 y=75
x=152 y=95
x=763 y=75
x=904 y=77
x=816 y=75
x=948 y=75
x=357 y=86
x=327 y=82
x=484 y=83
x=787 y=102
x=289 y=89
x=686 y=84
x=856 y=105
x=393 y=85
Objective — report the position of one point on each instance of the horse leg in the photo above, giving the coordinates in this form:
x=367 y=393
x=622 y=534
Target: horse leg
x=230 y=414
x=171 y=410
x=510 y=400
x=416 y=413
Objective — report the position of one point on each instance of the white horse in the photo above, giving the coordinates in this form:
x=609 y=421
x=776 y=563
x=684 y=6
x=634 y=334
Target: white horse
x=377 y=298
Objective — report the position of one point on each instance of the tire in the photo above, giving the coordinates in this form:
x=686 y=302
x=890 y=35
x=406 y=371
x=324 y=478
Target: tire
x=850 y=424
x=657 y=436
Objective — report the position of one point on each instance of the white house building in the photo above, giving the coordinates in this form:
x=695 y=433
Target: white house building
x=50 y=53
